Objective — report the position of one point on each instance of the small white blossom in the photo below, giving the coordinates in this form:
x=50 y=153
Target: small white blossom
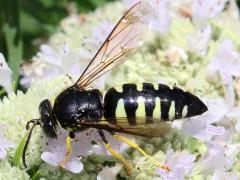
x=5 y=75
x=161 y=20
x=198 y=42
x=51 y=63
x=214 y=158
x=203 y=10
x=226 y=62
x=220 y=175
x=180 y=163
x=201 y=127
x=4 y=144
x=129 y=3
x=160 y=17
x=98 y=36
x=109 y=173
x=55 y=149
x=218 y=157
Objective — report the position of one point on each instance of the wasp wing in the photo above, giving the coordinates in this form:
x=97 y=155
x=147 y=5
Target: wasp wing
x=149 y=128
x=126 y=36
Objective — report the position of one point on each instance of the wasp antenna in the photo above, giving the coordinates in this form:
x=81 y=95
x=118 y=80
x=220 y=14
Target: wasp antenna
x=34 y=122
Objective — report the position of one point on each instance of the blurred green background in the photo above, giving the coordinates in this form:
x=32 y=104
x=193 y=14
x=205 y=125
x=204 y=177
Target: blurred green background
x=25 y=24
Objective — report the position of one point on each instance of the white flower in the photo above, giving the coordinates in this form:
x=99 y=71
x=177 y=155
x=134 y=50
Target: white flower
x=226 y=62
x=198 y=42
x=161 y=20
x=55 y=149
x=4 y=144
x=235 y=113
x=214 y=158
x=218 y=157
x=203 y=10
x=201 y=127
x=129 y=3
x=99 y=34
x=51 y=63
x=109 y=173
x=5 y=75
x=220 y=175
x=180 y=163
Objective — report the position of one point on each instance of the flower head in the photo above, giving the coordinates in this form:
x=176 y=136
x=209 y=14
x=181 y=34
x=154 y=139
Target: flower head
x=201 y=127
x=82 y=145
x=203 y=10
x=226 y=62
x=161 y=20
x=198 y=42
x=218 y=157
x=180 y=163
x=51 y=63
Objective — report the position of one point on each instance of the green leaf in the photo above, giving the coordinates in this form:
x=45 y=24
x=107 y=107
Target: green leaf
x=14 y=49
x=19 y=151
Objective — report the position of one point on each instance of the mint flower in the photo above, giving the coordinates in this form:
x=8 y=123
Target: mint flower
x=190 y=45
x=5 y=75
x=98 y=36
x=224 y=175
x=161 y=19
x=201 y=127
x=54 y=150
x=180 y=163
x=129 y=3
x=218 y=158
x=198 y=42
x=51 y=63
x=203 y=10
x=4 y=144
x=226 y=62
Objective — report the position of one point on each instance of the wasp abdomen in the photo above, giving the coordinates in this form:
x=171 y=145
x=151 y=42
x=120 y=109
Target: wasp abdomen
x=160 y=102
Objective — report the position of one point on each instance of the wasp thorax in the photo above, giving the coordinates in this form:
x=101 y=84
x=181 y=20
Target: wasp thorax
x=48 y=122
x=73 y=105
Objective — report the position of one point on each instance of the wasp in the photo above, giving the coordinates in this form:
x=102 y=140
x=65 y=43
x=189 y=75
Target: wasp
x=137 y=110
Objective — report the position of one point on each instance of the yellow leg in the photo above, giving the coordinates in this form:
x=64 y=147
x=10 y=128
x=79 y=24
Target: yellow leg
x=68 y=152
x=136 y=146
x=119 y=157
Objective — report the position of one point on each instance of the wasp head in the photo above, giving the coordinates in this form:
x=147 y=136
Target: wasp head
x=47 y=120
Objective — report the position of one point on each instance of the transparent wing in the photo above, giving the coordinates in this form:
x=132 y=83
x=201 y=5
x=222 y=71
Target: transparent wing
x=152 y=128
x=126 y=36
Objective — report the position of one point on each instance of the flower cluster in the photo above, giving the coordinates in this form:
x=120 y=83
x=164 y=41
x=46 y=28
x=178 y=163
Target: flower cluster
x=5 y=74
x=193 y=44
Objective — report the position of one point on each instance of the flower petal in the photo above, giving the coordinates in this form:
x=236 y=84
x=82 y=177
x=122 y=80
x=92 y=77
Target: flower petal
x=74 y=166
x=109 y=173
x=5 y=75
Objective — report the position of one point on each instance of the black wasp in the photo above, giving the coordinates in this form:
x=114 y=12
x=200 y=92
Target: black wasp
x=142 y=111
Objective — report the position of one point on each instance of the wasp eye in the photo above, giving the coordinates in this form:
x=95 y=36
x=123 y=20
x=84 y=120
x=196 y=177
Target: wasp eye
x=47 y=121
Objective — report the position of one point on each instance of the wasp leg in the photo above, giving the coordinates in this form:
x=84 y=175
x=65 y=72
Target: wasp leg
x=115 y=153
x=136 y=146
x=68 y=153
